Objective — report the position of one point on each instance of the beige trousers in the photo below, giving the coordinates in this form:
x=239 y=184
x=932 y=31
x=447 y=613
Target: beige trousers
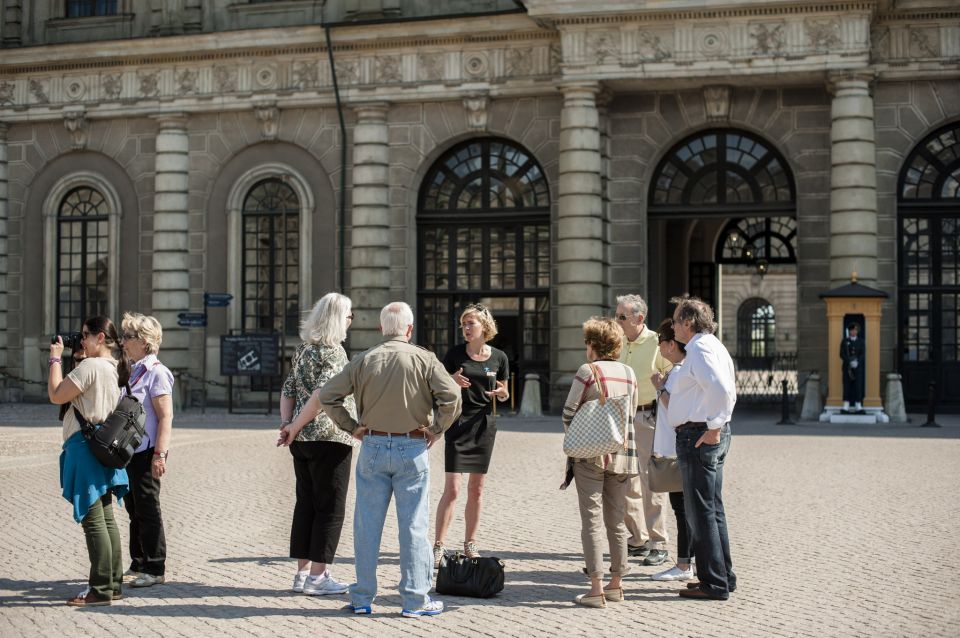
x=645 y=520
x=602 y=497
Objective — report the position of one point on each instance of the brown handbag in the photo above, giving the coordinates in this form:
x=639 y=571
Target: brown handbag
x=663 y=474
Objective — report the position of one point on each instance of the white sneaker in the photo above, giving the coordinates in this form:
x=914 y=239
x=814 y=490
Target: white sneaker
x=323 y=585
x=147 y=580
x=674 y=573
x=432 y=608
x=299 y=580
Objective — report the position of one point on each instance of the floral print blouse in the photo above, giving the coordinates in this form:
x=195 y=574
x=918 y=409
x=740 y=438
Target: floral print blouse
x=312 y=366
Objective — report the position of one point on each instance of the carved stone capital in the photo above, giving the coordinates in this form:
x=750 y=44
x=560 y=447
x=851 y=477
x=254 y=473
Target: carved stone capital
x=268 y=117
x=716 y=102
x=171 y=121
x=476 y=105
x=75 y=121
x=372 y=111
x=858 y=79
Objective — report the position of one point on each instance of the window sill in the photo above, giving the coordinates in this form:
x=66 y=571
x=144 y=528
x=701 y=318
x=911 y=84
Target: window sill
x=89 y=22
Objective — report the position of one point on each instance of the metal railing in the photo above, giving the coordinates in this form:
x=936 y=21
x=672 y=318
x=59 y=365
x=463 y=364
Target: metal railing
x=759 y=378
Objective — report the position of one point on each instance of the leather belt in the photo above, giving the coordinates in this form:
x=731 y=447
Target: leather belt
x=689 y=425
x=412 y=434
x=646 y=407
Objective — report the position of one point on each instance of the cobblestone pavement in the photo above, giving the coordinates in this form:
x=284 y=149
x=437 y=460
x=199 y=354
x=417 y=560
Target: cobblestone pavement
x=834 y=533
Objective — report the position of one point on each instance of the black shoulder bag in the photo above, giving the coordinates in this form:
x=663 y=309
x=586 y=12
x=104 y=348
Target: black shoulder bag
x=114 y=441
x=473 y=577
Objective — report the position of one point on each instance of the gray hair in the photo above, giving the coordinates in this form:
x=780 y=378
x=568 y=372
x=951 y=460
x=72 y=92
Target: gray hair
x=146 y=328
x=635 y=303
x=696 y=311
x=394 y=319
x=326 y=323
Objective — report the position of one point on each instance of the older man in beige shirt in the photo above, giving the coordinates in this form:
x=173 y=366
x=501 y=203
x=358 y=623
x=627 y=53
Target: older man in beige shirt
x=648 y=536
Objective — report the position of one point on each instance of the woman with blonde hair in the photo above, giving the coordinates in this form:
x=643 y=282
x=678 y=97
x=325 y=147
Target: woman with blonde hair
x=152 y=383
x=321 y=451
x=481 y=371
x=602 y=481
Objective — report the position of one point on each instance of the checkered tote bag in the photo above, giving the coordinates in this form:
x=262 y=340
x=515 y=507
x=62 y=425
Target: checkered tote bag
x=600 y=425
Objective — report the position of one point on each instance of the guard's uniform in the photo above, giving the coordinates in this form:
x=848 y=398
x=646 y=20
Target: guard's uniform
x=396 y=386
x=853 y=355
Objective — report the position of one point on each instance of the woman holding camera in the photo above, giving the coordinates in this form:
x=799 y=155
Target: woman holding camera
x=92 y=389
x=152 y=384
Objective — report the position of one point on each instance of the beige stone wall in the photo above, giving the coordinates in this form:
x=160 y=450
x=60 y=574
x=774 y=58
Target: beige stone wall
x=779 y=287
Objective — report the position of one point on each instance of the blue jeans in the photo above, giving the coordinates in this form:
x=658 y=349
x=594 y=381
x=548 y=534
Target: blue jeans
x=390 y=466
x=702 y=469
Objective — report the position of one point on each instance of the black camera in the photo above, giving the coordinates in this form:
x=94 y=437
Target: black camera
x=70 y=340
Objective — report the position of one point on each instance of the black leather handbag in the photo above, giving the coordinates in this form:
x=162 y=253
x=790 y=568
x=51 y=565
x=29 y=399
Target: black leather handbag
x=115 y=441
x=473 y=577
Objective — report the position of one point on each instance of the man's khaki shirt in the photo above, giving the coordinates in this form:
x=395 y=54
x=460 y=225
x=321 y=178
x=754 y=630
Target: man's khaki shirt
x=396 y=386
x=643 y=355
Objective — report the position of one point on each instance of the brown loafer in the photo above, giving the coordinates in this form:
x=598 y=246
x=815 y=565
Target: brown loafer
x=699 y=594
x=90 y=600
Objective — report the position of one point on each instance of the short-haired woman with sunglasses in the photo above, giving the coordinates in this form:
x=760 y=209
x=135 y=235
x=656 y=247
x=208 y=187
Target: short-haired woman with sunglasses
x=152 y=383
x=92 y=389
x=481 y=371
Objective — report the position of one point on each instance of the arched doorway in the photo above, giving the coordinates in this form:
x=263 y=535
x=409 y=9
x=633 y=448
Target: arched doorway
x=483 y=235
x=928 y=207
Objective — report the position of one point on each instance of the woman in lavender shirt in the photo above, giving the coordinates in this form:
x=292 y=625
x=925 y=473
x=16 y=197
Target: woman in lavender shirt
x=152 y=383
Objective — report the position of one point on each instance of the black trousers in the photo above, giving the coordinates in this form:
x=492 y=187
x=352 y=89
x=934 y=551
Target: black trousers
x=684 y=546
x=322 y=469
x=148 y=545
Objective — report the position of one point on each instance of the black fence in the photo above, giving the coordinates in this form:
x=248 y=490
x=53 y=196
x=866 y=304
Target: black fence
x=759 y=378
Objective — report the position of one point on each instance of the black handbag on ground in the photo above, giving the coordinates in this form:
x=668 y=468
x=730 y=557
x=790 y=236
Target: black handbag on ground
x=114 y=441
x=473 y=577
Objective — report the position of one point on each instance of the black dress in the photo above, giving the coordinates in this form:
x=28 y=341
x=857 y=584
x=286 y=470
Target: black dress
x=469 y=443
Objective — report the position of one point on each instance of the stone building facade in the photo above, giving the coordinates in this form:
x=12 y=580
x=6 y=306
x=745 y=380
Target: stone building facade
x=542 y=156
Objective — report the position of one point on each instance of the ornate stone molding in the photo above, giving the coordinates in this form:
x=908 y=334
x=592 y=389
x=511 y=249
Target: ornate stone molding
x=476 y=107
x=716 y=102
x=75 y=121
x=268 y=117
x=839 y=80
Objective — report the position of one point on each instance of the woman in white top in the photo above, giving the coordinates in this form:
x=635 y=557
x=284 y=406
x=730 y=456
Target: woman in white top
x=92 y=389
x=665 y=445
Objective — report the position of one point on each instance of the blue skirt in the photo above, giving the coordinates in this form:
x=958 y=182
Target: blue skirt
x=84 y=480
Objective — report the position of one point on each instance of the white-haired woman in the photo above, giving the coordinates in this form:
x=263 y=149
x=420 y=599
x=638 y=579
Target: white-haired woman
x=321 y=451
x=152 y=383
x=481 y=371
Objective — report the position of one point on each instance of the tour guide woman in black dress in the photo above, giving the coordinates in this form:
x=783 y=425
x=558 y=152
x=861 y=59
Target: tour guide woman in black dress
x=481 y=371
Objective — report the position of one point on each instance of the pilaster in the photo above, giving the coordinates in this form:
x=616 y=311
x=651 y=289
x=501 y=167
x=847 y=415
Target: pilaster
x=4 y=247
x=370 y=231
x=580 y=228
x=171 y=277
x=853 y=180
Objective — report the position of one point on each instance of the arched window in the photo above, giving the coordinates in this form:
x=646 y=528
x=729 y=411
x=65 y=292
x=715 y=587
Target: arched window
x=756 y=331
x=483 y=228
x=750 y=239
x=83 y=257
x=270 y=262
x=720 y=171
x=929 y=266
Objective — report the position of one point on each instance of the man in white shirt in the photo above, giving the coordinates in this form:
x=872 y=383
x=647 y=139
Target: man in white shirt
x=700 y=406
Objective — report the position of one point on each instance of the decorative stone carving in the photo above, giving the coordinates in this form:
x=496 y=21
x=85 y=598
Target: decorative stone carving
x=603 y=46
x=476 y=107
x=768 y=38
x=556 y=57
x=74 y=89
x=430 y=66
x=306 y=74
x=268 y=116
x=651 y=47
x=823 y=35
x=39 y=90
x=149 y=83
x=112 y=86
x=880 y=44
x=265 y=76
x=475 y=64
x=348 y=71
x=924 y=43
x=387 y=69
x=187 y=82
x=716 y=101
x=225 y=79
x=6 y=93
x=75 y=121
x=519 y=62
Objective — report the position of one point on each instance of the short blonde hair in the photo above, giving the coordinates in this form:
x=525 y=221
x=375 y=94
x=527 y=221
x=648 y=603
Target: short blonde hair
x=604 y=335
x=145 y=327
x=484 y=316
x=326 y=323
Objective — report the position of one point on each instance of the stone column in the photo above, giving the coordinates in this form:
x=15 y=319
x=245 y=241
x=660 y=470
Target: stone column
x=580 y=276
x=370 y=225
x=4 y=213
x=171 y=275
x=853 y=180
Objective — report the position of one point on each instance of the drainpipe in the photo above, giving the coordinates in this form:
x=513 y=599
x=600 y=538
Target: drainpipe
x=342 y=277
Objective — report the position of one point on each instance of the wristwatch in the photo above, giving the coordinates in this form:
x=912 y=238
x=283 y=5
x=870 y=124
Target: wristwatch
x=162 y=455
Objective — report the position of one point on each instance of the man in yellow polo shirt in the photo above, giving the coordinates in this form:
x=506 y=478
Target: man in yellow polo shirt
x=648 y=535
